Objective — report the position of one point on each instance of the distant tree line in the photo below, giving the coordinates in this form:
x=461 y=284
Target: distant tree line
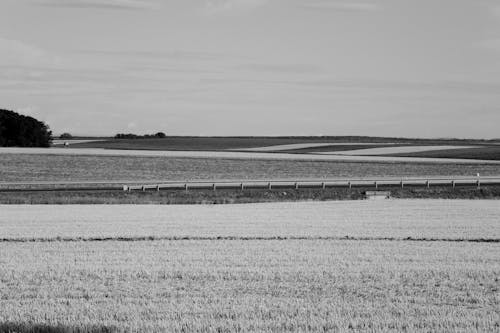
x=17 y=130
x=159 y=135
x=66 y=136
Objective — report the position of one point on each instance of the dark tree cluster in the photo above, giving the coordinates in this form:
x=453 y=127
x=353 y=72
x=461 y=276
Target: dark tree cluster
x=159 y=135
x=17 y=130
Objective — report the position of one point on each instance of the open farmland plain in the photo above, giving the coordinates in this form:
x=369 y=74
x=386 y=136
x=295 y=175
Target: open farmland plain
x=489 y=153
x=26 y=167
x=389 y=147
x=404 y=265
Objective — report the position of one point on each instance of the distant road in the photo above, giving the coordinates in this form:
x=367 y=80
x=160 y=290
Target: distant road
x=236 y=155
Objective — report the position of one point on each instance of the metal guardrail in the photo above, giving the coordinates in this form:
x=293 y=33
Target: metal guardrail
x=317 y=184
x=263 y=184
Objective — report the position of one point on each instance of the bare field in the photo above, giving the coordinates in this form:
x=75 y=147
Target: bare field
x=21 y=167
x=264 y=286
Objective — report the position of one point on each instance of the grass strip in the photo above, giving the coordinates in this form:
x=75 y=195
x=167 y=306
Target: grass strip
x=246 y=196
x=241 y=238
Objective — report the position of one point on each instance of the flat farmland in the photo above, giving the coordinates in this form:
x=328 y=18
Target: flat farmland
x=429 y=219
x=484 y=153
x=25 y=167
x=254 y=281
x=237 y=143
x=263 y=286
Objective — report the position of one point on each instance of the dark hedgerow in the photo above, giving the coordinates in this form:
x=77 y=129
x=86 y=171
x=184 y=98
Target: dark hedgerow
x=17 y=130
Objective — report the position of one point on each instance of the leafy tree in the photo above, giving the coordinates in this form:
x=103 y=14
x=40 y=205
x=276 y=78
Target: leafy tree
x=66 y=136
x=22 y=131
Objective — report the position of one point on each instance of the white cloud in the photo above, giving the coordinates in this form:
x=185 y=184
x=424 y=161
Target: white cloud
x=17 y=53
x=282 y=68
x=353 y=5
x=103 y=4
x=492 y=44
x=496 y=11
x=214 y=7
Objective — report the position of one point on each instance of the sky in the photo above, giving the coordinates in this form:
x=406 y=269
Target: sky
x=412 y=68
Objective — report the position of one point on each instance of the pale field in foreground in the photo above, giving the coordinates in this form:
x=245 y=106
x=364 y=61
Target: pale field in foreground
x=217 y=286
x=449 y=219
x=289 y=285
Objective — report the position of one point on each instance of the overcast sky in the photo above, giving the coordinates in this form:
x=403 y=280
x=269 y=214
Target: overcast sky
x=419 y=68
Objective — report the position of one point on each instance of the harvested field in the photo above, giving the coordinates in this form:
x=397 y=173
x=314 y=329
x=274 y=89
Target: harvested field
x=441 y=219
x=275 y=286
x=23 y=167
x=273 y=267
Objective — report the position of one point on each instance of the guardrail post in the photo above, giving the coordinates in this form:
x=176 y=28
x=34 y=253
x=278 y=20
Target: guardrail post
x=349 y=184
x=296 y=186
x=323 y=185
x=215 y=187
x=242 y=187
x=143 y=188
x=270 y=186
x=186 y=187
x=402 y=184
x=453 y=183
x=376 y=185
x=428 y=183
x=157 y=188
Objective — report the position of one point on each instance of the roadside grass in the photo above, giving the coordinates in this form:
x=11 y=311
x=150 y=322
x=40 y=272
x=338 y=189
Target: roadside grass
x=263 y=286
x=222 y=196
x=20 y=167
